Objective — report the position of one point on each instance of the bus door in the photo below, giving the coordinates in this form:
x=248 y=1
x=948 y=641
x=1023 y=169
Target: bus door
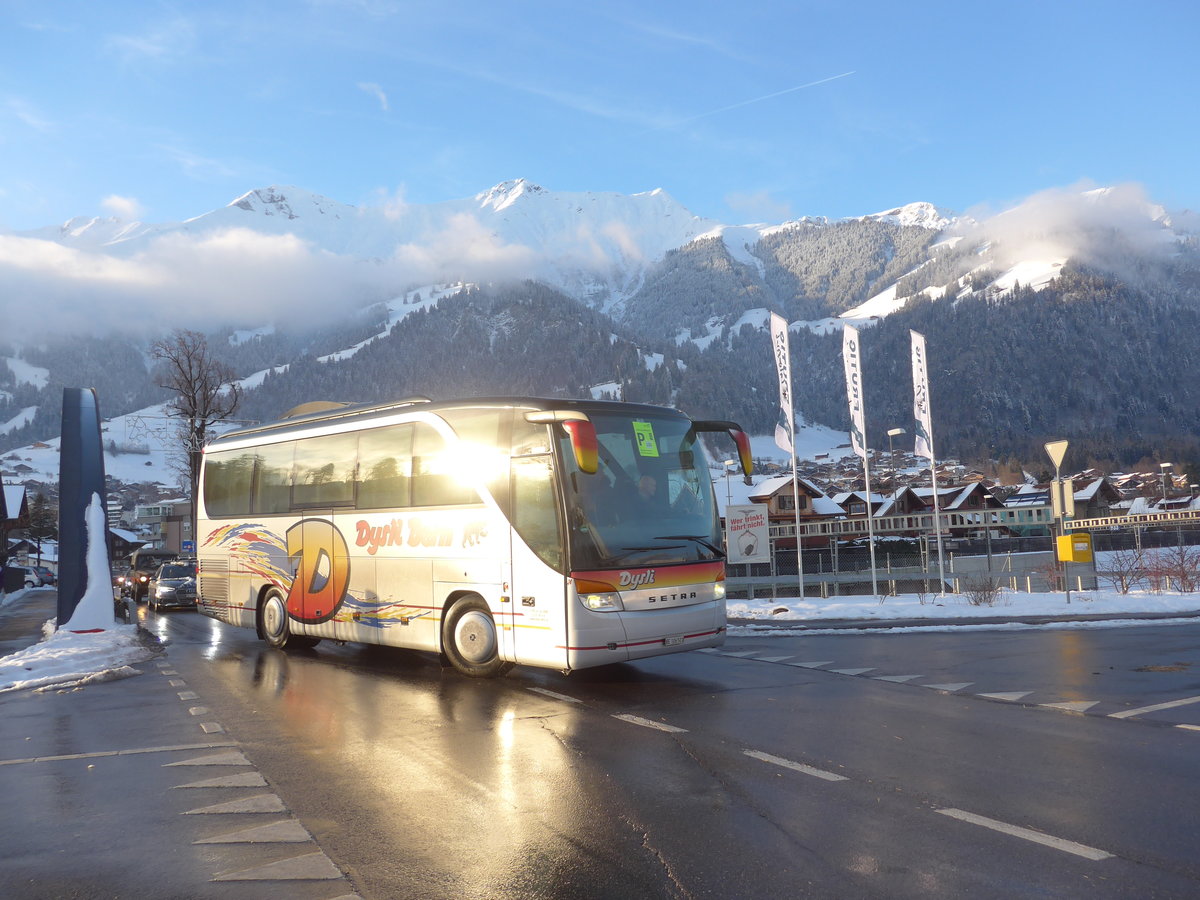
x=320 y=557
x=538 y=588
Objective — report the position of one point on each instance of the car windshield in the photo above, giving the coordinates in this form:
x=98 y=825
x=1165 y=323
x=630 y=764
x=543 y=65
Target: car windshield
x=177 y=572
x=650 y=501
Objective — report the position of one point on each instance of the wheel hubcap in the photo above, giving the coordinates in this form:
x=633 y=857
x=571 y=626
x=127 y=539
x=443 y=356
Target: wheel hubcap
x=273 y=618
x=475 y=637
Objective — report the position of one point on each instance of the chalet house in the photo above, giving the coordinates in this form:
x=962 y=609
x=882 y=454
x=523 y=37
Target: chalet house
x=853 y=504
x=781 y=501
x=1097 y=498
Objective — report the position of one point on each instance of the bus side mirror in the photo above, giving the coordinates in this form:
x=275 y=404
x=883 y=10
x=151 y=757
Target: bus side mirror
x=743 y=447
x=584 y=444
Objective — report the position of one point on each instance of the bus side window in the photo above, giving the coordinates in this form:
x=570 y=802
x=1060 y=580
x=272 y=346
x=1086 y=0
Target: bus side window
x=273 y=478
x=535 y=509
x=324 y=471
x=438 y=477
x=227 y=479
x=384 y=464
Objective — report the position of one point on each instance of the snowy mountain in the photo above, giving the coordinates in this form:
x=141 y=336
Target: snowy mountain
x=526 y=290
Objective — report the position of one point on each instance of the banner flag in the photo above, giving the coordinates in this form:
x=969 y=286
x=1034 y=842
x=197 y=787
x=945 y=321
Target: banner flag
x=921 y=413
x=783 y=366
x=854 y=390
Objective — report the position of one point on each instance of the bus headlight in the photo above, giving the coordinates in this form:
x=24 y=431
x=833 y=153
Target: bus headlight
x=719 y=590
x=610 y=601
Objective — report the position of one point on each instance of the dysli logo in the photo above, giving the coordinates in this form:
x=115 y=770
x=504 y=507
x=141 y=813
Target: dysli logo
x=636 y=579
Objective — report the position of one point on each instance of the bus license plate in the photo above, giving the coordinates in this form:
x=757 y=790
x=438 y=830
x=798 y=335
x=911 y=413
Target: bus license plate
x=672 y=641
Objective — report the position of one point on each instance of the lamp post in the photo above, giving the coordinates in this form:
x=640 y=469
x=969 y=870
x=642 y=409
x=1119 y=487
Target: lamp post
x=728 y=495
x=1165 y=467
x=893 y=433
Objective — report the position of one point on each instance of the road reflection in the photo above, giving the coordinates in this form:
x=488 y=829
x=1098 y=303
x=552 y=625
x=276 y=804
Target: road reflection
x=465 y=774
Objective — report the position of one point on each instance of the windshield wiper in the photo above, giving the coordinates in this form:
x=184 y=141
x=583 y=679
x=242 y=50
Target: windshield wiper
x=699 y=539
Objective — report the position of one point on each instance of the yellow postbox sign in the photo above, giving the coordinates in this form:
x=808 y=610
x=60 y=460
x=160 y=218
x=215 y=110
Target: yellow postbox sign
x=1076 y=548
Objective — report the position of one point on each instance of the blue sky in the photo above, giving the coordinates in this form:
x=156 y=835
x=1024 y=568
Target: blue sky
x=742 y=112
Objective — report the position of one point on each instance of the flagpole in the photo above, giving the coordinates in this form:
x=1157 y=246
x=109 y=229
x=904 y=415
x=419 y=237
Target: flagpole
x=796 y=510
x=937 y=524
x=852 y=360
x=923 y=441
x=870 y=524
x=783 y=368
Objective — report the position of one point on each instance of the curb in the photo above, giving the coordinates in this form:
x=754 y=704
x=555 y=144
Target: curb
x=877 y=624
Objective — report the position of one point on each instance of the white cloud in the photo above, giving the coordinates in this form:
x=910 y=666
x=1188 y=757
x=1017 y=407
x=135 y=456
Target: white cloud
x=127 y=208
x=232 y=276
x=369 y=87
x=24 y=112
x=1099 y=226
x=162 y=42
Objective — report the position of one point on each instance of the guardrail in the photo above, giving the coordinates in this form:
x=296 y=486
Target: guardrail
x=923 y=523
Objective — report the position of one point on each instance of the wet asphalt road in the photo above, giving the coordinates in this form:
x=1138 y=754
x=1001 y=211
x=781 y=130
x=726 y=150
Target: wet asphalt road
x=983 y=764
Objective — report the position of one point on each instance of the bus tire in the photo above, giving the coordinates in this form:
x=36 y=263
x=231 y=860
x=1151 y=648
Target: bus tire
x=470 y=639
x=276 y=626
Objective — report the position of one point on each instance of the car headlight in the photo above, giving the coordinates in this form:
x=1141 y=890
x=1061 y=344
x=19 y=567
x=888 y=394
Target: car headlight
x=609 y=601
x=163 y=590
x=719 y=590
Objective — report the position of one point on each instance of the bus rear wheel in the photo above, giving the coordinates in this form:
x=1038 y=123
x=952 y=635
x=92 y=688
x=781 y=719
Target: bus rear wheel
x=470 y=639
x=276 y=626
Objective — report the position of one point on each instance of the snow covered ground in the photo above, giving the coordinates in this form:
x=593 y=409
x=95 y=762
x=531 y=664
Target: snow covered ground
x=935 y=610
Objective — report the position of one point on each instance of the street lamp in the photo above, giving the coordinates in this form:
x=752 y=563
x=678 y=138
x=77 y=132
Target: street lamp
x=893 y=433
x=1165 y=466
x=728 y=497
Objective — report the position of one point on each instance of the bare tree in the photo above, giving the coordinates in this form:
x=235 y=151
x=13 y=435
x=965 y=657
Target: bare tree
x=1124 y=570
x=205 y=393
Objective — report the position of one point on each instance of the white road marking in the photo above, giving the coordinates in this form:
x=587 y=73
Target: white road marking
x=103 y=753
x=211 y=728
x=287 y=831
x=232 y=758
x=1189 y=727
x=1072 y=705
x=1125 y=714
x=556 y=696
x=852 y=671
x=649 y=723
x=188 y=695
x=177 y=682
x=260 y=803
x=773 y=659
x=198 y=711
x=1012 y=696
x=798 y=767
x=898 y=679
x=812 y=665
x=740 y=653
x=1028 y=834
x=240 y=780
x=311 y=866
x=957 y=686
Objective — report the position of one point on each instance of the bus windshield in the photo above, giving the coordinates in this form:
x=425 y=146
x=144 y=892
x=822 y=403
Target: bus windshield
x=650 y=501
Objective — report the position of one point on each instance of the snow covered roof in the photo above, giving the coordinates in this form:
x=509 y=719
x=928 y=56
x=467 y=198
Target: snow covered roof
x=12 y=497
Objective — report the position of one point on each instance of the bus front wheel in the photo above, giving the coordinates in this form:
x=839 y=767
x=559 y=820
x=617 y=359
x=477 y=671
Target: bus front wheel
x=470 y=639
x=276 y=627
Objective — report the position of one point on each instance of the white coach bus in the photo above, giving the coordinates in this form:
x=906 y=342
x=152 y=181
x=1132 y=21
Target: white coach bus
x=556 y=533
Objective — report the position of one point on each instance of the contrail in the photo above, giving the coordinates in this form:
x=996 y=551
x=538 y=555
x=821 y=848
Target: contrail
x=791 y=90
